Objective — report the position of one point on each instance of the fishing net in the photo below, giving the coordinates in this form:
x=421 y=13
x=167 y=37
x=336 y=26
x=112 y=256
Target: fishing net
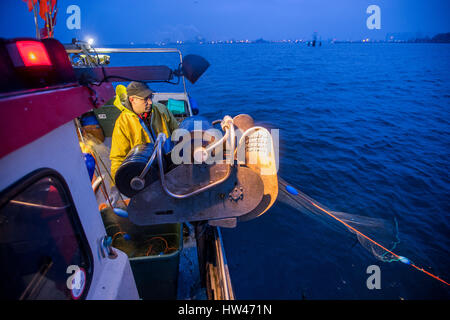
x=378 y=236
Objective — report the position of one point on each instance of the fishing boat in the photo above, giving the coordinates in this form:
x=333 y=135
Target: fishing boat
x=61 y=235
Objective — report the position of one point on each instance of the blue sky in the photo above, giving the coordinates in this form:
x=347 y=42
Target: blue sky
x=142 y=21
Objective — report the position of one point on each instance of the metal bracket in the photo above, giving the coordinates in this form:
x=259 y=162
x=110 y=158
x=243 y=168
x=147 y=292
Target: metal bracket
x=105 y=248
x=153 y=206
x=236 y=194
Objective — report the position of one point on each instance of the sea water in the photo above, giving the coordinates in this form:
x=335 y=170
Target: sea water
x=364 y=129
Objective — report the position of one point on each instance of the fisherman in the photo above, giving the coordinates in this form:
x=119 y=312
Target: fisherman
x=140 y=121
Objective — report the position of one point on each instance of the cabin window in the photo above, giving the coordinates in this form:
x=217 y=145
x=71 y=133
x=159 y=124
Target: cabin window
x=41 y=242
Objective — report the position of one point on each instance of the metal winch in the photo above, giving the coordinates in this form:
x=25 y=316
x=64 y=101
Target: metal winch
x=217 y=175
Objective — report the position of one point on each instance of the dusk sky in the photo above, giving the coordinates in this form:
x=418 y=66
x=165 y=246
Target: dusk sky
x=144 y=21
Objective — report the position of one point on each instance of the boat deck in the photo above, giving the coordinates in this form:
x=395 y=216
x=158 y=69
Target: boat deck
x=189 y=279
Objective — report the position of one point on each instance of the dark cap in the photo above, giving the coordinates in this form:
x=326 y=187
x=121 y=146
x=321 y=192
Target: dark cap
x=138 y=89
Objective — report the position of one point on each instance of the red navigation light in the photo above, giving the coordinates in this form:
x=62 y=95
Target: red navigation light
x=33 y=53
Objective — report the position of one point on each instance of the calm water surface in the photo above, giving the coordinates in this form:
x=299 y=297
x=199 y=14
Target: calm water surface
x=363 y=129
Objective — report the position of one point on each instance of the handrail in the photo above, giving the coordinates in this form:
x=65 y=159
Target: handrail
x=122 y=50
x=222 y=265
x=138 y=182
x=71 y=48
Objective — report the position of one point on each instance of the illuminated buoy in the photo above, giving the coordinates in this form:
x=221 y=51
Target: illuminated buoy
x=291 y=190
x=404 y=260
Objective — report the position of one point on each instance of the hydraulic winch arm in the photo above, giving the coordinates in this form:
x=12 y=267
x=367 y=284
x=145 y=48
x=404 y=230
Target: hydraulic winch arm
x=231 y=189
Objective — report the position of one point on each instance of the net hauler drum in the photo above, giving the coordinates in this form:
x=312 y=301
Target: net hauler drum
x=217 y=186
x=132 y=167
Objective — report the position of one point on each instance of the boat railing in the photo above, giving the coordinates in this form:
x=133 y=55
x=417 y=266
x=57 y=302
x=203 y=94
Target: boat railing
x=88 y=49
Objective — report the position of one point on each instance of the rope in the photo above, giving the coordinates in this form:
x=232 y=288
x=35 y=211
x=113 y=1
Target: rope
x=376 y=243
x=117 y=234
x=151 y=246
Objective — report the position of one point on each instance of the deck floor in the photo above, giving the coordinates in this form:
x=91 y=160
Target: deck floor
x=189 y=281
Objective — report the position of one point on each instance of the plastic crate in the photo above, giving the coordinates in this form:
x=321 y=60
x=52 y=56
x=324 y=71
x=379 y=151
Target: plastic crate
x=156 y=276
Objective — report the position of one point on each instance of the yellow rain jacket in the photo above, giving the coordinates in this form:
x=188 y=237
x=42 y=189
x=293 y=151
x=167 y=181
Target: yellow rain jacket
x=128 y=131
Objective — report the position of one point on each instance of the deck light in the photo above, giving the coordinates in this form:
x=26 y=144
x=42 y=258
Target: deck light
x=33 y=53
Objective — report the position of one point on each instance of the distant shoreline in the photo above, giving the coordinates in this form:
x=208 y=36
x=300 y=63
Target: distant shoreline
x=439 y=38
x=325 y=44
x=276 y=43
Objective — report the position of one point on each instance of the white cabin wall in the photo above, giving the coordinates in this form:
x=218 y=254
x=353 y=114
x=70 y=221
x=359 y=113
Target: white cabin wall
x=59 y=150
